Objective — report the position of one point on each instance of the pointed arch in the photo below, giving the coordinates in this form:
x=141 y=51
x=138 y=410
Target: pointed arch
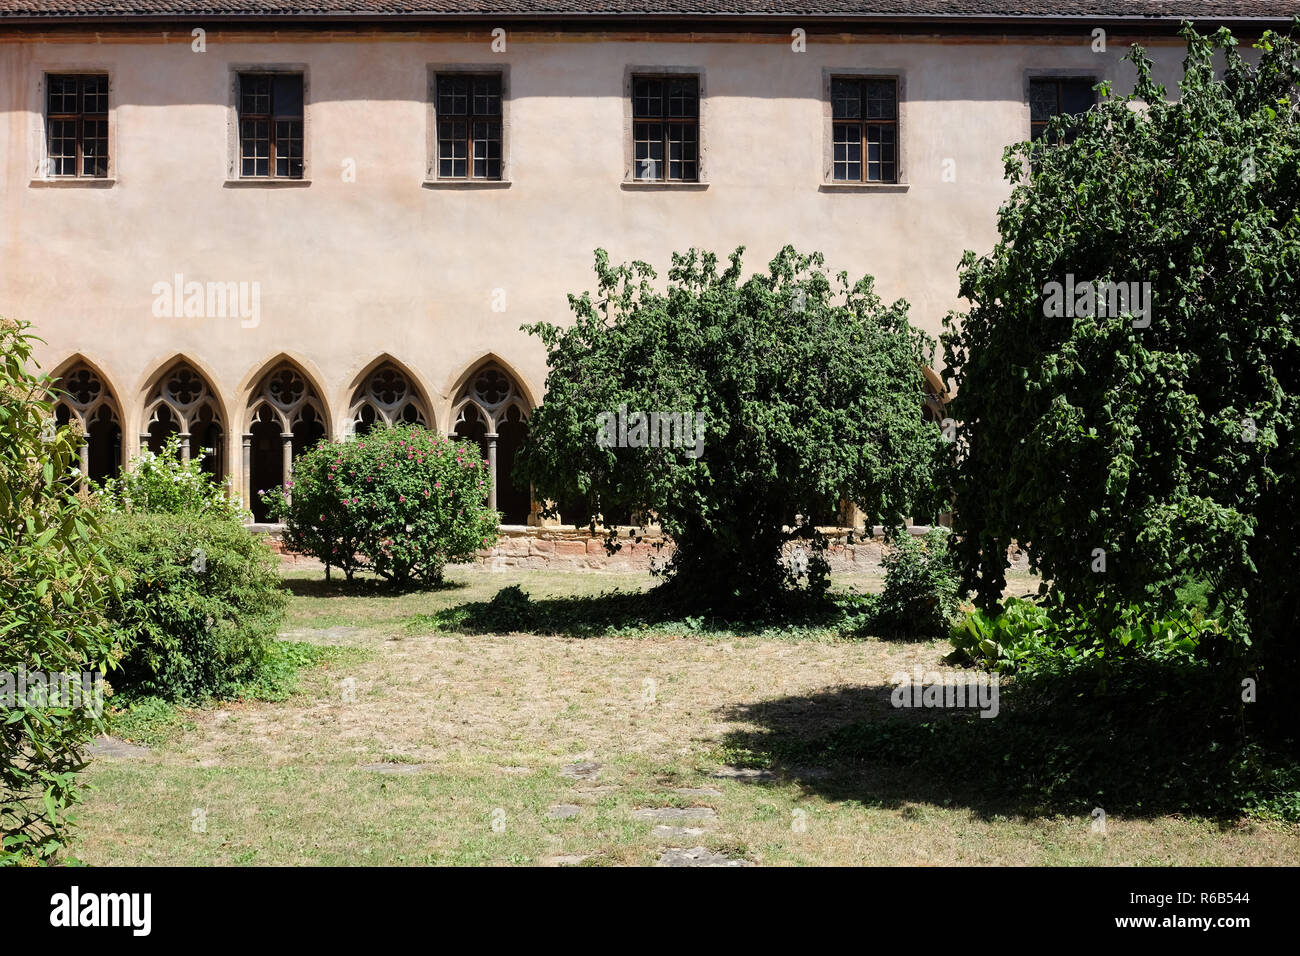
x=253 y=389
x=491 y=407
x=284 y=415
x=84 y=394
x=387 y=392
x=492 y=387
x=180 y=398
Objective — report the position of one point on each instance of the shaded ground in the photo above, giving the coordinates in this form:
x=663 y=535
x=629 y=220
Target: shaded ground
x=433 y=747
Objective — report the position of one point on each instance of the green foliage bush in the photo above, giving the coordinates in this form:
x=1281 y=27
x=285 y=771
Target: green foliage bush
x=810 y=394
x=202 y=598
x=402 y=503
x=1024 y=636
x=1171 y=447
x=53 y=583
x=165 y=484
x=921 y=586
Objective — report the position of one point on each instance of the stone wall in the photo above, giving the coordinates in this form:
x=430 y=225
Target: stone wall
x=566 y=548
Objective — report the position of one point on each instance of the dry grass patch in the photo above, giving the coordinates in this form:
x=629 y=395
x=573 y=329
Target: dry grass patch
x=410 y=753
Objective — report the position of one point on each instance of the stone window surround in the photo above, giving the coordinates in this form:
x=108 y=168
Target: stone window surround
x=827 y=180
x=431 y=178
x=39 y=145
x=1095 y=74
x=629 y=180
x=233 y=178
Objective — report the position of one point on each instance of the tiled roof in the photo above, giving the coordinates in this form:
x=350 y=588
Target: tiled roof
x=946 y=9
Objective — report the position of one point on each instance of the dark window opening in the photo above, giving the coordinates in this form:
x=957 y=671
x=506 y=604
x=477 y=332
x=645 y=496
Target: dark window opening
x=1050 y=97
x=270 y=126
x=469 y=126
x=666 y=128
x=864 y=117
x=76 y=125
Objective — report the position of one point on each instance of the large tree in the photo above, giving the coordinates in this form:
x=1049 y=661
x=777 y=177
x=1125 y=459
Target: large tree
x=799 y=393
x=1134 y=443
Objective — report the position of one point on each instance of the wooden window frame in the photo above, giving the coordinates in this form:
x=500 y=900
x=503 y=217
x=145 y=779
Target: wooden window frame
x=79 y=118
x=272 y=119
x=665 y=121
x=862 y=123
x=469 y=118
x=1058 y=79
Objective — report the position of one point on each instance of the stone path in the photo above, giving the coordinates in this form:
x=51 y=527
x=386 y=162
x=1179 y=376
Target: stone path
x=698 y=856
x=672 y=824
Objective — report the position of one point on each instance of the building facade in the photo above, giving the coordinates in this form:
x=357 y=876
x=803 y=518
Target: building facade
x=255 y=224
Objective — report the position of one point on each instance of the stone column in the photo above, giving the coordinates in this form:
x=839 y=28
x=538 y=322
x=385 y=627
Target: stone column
x=246 y=471
x=286 y=446
x=185 y=446
x=83 y=454
x=492 y=469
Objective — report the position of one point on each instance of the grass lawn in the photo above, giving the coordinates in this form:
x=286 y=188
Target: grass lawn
x=412 y=745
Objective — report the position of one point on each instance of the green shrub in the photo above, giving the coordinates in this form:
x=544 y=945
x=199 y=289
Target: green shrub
x=402 y=503
x=1024 y=636
x=202 y=597
x=164 y=484
x=1162 y=443
x=793 y=391
x=53 y=583
x=921 y=586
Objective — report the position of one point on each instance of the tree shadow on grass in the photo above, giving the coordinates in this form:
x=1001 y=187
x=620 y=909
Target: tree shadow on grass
x=359 y=587
x=611 y=613
x=1161 y=739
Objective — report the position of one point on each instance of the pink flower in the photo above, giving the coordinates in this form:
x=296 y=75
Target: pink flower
x=437 y=484
x=401 y=497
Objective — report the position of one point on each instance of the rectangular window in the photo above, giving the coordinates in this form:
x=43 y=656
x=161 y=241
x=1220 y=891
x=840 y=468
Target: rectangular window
x=1052 y=96
x=666 y=128
x=270 y=125
x=864 y=117
x=76 y=125
x=469 y=125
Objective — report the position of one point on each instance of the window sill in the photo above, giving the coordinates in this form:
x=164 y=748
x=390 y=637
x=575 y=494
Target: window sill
x=466 y=184
x=681 y=186
x=73 y=182
x=863 y=187
x=251 y=183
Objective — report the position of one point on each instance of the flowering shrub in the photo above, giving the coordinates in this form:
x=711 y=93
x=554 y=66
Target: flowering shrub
x=164 y=484
x=401 y=502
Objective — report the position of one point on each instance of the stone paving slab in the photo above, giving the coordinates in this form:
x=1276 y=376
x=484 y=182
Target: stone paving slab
x=584 y=770
x=662 y=832
x=698 y=856
x=397 y=768
x=698 y=792
x=113 y=747
x=676 y=814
